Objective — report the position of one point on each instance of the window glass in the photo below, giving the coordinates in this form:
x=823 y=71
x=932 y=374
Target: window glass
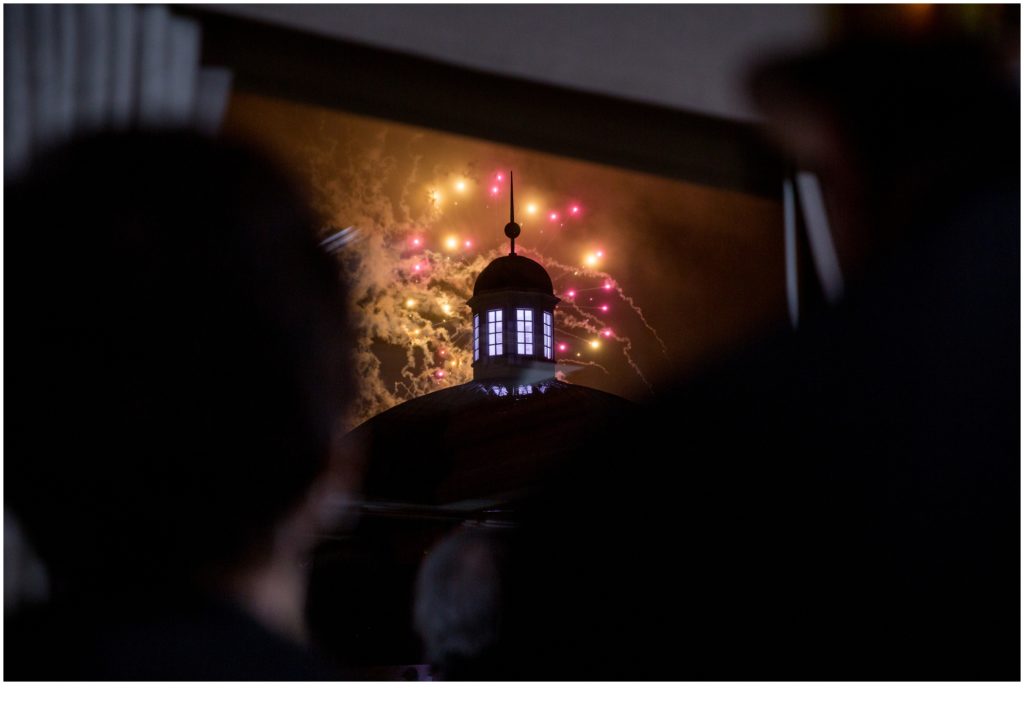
x=476 y=337
x=547 y=335
x=495 y=333
x=524 y=331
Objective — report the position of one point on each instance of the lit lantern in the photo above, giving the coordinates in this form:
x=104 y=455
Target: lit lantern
x=513 y=307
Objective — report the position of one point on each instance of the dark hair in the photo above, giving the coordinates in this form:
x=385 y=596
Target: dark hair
x=944 y=107
x=183 y=346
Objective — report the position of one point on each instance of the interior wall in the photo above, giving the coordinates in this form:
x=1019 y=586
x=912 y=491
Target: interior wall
x=690 y=57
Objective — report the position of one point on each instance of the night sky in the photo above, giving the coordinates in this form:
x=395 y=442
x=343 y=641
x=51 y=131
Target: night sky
x=702 y=266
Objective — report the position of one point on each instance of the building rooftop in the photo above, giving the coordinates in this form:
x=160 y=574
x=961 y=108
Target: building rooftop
x=513 y=272
x=481 y=440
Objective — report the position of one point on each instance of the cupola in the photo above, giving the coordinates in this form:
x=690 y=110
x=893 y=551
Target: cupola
x=513 y=307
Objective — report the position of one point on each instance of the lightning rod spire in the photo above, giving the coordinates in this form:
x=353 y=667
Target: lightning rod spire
x=512 y=229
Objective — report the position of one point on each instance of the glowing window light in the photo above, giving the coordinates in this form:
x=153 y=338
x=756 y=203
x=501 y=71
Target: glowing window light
x=495 y=332
x=476 y=337
x=547 y=335
x=524 y=331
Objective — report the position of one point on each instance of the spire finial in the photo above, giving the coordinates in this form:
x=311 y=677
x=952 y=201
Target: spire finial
x=512 y=229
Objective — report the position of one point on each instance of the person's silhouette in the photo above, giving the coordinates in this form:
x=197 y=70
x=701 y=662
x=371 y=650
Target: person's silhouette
x=843 y=502
x=182 y=349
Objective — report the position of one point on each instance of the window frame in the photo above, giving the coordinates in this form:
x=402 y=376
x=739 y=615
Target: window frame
x=525 y=331
x=548 y=334
x=476 y=337
x=495 y=328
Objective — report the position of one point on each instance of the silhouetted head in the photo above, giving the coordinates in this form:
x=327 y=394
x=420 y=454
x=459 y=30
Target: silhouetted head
x=899 y=131
x=183 y=350
x=460 y=605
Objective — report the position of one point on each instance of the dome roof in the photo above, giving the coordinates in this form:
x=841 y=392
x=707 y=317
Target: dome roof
x=513 y=272
x=429 y=450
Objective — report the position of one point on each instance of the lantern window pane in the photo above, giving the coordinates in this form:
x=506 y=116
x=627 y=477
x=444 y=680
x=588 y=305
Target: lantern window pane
x=547 y=335
x=524 y=331
x=495 y=332
x=476 y=337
